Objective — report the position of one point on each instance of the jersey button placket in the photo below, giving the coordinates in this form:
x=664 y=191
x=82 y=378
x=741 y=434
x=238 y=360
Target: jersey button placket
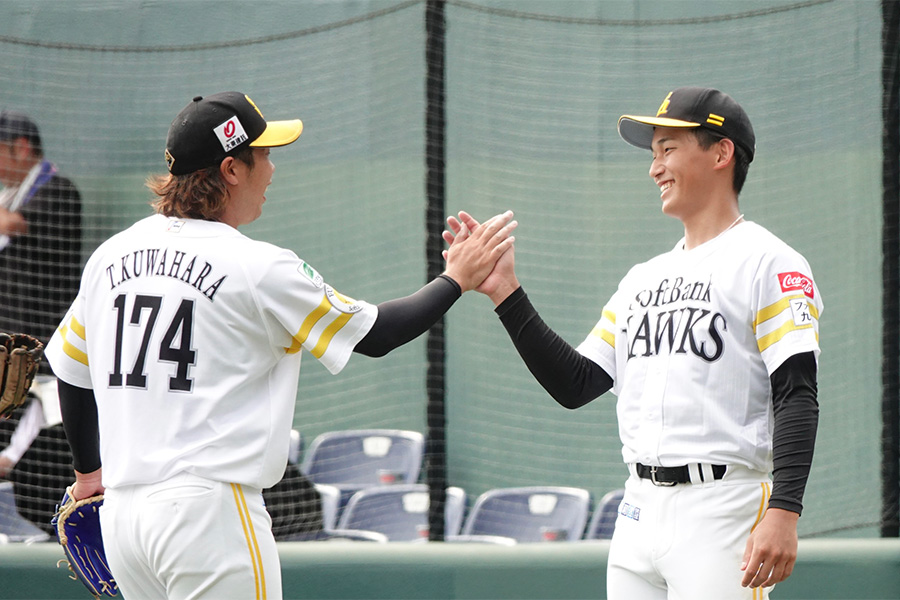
x=654 y=399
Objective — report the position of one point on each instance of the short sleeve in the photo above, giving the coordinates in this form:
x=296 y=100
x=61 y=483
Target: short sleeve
x=317 y=318
x=788 y=305
x=600 y=344
x=67 y=350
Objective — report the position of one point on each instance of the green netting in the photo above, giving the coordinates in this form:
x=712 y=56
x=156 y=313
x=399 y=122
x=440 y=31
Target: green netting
x=534 y=90
x=533 y=105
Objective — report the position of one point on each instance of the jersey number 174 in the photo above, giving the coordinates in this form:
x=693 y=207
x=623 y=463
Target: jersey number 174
x=175 y=346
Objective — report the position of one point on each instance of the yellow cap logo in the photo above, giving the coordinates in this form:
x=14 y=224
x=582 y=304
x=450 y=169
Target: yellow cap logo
x=664 y=107
x=253 y=104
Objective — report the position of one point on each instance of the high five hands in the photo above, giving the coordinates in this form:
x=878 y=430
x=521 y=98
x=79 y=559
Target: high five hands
x=475 y=249
x=497 y=252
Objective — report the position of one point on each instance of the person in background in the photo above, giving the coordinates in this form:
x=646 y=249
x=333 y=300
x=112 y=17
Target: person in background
x=40 y=264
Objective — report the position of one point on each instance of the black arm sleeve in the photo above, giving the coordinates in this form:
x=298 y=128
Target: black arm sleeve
x=79 y=414
x=796 y=409
x=570 y=378
x=404 y=319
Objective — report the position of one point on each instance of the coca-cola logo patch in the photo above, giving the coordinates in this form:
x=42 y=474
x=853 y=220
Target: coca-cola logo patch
x=794 y=281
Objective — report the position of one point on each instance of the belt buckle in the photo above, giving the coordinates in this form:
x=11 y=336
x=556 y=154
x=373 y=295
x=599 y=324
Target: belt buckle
x=656 y=482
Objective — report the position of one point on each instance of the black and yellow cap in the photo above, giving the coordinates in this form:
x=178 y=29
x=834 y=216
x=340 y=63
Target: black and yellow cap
x=693 y=107
x=213 y=127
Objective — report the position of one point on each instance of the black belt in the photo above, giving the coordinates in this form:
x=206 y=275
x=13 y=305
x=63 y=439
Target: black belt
x=674 y=475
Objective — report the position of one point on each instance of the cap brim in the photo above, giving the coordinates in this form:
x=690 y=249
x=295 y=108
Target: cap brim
x=279 y=133
x=638 y=131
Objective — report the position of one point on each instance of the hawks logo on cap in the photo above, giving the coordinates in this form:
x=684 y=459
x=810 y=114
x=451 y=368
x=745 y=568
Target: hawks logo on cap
x=253 y=104
x=170 y=160
x=664 y=107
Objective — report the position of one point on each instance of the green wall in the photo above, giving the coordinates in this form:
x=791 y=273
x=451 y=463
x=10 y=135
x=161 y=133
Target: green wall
x=826 y=570
x=534 y=89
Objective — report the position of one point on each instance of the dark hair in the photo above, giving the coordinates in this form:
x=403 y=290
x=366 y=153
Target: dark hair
x=707 y=138
x=15 y=125
x=198 y=195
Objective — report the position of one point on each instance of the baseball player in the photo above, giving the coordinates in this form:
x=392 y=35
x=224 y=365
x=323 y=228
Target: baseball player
x=178 y=360
x=712 y=349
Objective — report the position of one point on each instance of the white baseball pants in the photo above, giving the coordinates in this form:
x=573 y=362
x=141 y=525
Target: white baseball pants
x=190 y=538
x=686 y=542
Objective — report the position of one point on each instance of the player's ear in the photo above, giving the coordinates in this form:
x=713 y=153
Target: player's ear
x=228 y=170
x=724 y=150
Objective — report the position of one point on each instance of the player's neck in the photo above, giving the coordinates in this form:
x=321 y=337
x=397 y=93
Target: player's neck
x=701 y=230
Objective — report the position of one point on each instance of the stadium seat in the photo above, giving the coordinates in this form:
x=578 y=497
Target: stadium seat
x=13 y=526
x=296 y=449
x=355 y=459
x=527 y=514
x=331 y=502
x=603 y=521
x=400 y=512
x=454 y=510
x=330 y=499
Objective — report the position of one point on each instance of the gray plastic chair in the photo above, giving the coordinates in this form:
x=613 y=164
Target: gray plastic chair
x=400 y=512
x=527 y=514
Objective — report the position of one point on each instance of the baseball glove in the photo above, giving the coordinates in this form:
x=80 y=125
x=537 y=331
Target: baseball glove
x=77 y=524
x=20 y=355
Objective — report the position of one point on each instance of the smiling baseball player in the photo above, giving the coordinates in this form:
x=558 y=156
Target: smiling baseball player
x=712 y=349
x=182 y=351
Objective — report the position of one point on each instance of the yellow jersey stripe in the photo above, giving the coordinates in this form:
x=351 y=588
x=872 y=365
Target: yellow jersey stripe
x=70 y=350
x=608 y=337
x=774 y=337
x=252 y=546
x=329 y=333
x=308 y=324
x=294 y=347
x=776 y=309
x=78 y=328
x=605 y=334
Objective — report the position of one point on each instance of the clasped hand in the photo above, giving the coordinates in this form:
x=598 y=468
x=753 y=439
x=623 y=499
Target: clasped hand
x=474 y=251
x=501 y=281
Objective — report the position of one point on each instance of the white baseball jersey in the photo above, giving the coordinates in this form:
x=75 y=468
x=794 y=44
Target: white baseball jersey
x=190 y=335
x=690 y=339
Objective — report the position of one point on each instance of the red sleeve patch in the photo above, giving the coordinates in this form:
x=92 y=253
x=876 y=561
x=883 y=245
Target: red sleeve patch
x=795 y=281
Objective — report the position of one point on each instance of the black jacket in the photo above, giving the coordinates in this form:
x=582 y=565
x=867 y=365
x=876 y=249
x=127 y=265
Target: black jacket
x=40 y=270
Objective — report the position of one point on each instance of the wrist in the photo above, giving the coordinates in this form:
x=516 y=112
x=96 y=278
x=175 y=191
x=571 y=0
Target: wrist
x=451 y=281
x=504 y=291
x=782 y=514
x=89 y=478
x=457 y=279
